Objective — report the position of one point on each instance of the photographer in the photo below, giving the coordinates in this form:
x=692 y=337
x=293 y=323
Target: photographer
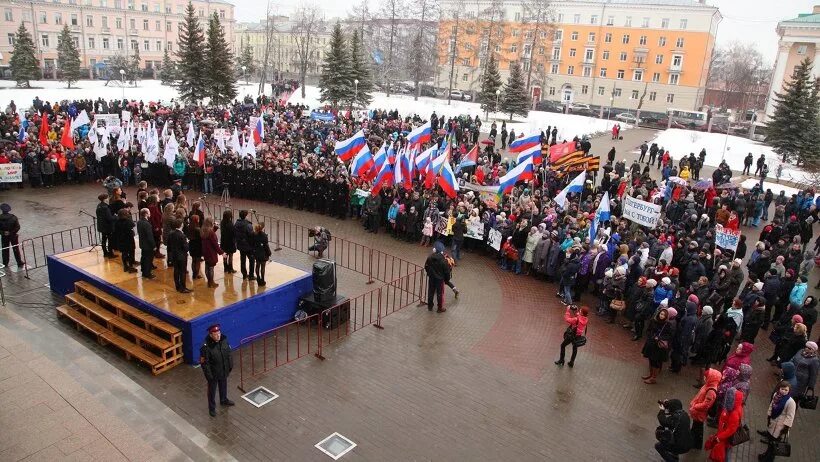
x=577 y=320
x=321 y=237
x=673 y=433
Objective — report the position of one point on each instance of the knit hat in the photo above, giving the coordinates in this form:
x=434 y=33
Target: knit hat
x=811 y=346
x=438 y=247
x=737 y=262
x=797 y=319
x=758 y=285
x=693 y=298
x=707 y=310
x=665 y=302
x=672 y=312
x=666 y=281
x=651 y=283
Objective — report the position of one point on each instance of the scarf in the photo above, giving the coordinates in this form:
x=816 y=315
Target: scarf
x=779 y=403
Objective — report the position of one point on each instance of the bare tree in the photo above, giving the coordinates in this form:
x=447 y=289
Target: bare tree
x=540 y=14
x=392 y=10
x=361 y=14
x=270 y=30
x=454 y=18
x=307 y=23
x=742 y=71
x=423 y=48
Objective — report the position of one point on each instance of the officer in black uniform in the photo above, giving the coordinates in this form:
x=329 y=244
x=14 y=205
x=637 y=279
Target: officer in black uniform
x=215 y=359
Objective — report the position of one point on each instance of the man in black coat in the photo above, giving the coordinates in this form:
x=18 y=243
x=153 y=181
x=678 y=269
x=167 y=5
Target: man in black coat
x=9 y=227
x=674 y=437
x=177 y=248
x=216 y=362
x=145 y=233
x=438 y=271
x=124 y=237
x=105 y=225
x=243 y=230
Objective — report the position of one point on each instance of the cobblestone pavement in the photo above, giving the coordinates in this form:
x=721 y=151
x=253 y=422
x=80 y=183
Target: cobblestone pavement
x=475 y=383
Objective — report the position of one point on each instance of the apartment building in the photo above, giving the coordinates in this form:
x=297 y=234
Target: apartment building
x=607 y=53
x=799 y=39
x=102 y=29
x=283 y=55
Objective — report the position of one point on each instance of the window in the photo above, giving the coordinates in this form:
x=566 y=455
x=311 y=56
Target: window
x=622 y=56
x=515 y=32
x=684 y=23
x=634 y=94
x=628 y=22
x=58 y=19
x=104 y=22
x=11 y=39
x=574 y=36
x=642 y=40
x=637 y=75
x=89 y=21
x=661 y=41
x=167 y=26
x=591 y=37
x=75 y=20
x=616 y=93
x=589 y=53
x=552 y=91
x=157 y=26
x=584 y=89
x=159 y=45
x=593 y=19
x=560 y=17
x=605 y=55
x=670 y=98
x=620 y=75
x=645 y=22
x=43 y=17
x=514 y=48
x=554 y=69
x=656 y=77
x=625 y=39
x=572 y=52
x=144 y=24
x=608 y=38
x=105 y=43
x=133 y=23
x=465 y=62
x=91 y=43
x=603 y=72
x=601 y=91
x=134 y=45
x=571 y=70
x=118 y=23
x=463 y=77
x=677 y=60
x=673 y=79
x=118 y=4
x=528 y=35
x=576 y=19
x=104 y=3
x=679 y=42
x=44 y=40
x=119 y=44
x=498 y=48
x=556 y=53
x=659 y=59
x=145 y=45
x=8 y=15
x=517 y=15
x=540 y=50
x=652 y=95
x=610 y=20
x=76 y=41
x=587 y=71
x=168 y=46
x=144 y=7
x=221 y=14
x=801 y=49
x=665 y=23
x=527 y=49
x=559 y=35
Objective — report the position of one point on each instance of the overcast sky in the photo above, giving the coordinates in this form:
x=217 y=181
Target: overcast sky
x=751 y=21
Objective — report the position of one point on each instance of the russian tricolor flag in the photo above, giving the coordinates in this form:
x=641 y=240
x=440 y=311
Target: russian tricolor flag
x=362 y=163
x=348 y=148
x=407 y=169
x=423 y=160
x=258 y=131
x=381 y=157
x=447 y=180
x=534 y=152
x=437 y=164
x=420 y=134
x=525 y=142
x=521 y=172
x=199 y=154
x=384 y=178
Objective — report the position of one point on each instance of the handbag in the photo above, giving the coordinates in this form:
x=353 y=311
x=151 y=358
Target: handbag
x=617 y=305
x=808 y=401
x=782 y=447
x=569 y=333
x=580 y=340
x=740 y=436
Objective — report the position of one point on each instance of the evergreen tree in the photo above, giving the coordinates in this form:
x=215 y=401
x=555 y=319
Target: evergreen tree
x=24 y=64
x=336 y=82
x=134 y=67
x=68 y=57
x=191 y=58
x=490 y=83
x=360 y=70
x=514 y=99
x=113 y=67
x=794 y=130
x=246 y=60
x=168 y=72
x=220 y=76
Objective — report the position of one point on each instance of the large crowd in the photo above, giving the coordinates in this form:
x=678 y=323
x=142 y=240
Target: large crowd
x=689 y=301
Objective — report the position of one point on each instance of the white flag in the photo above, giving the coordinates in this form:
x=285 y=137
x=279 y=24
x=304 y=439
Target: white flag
x=249 y=148
x=81 y=119
x=122 y=139
x=165 y=131
x=220 y=143
x=101 y=145
x=191 y=136
x=234 y=144
x=153 y=144
x=92 y=133
x=171 y=150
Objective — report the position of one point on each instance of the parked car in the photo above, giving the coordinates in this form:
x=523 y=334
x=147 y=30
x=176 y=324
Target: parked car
x=577 y=107
x=427 y=90
x=549 y=106
x=627 y=118
x=460 y=95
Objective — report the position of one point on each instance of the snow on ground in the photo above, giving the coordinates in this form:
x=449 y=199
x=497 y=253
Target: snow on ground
x=680 y=143
x=53 y=91
x=568 y=125
x=775 y=187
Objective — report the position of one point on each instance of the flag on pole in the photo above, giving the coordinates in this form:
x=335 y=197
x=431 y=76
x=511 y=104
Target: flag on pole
x=447 y=180
x=191 y=135
x=380 y=157
x=199 y=154
x=348 y=148
x=383 y=178
x=67 y=139
x=220 y=143
x=407 y=169
x=171 y=150
x=601 y=215
x=362 y=164
x=533 y=152
x=469 y=159
x=397 y=171
x=122 y=139
x=44 y=130
x=152 y=144
x=423 y=160
x=234 y=143
x=22 y=134
x=561 y=150
x=259 y=130
x=80 y=120
x=165 y=131
x=420 y=134
x=249 y=150
x=574 y=186
x=525 y=142
x=521 y=172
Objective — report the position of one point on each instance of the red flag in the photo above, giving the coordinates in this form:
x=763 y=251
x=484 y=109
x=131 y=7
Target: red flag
x=479 y=175
x=44 y=130
x=67 y=140
x=560 y=150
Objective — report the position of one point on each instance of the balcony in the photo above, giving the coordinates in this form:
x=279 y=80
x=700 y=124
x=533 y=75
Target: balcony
x=641 y=49
x=74 y=27
x=133 y=32
x=105 y=30
x=588 y=61
x=676 y=69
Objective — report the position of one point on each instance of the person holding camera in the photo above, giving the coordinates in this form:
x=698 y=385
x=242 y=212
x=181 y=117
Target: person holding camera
x=577 y=320
x=321 y=237
x=673 y=435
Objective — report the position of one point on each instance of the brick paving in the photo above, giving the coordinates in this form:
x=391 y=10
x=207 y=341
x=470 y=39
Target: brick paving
x=476 y=383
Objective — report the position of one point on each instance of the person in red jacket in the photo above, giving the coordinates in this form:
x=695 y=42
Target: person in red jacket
x=700 y=404
x=577 y=320
x=731 y=417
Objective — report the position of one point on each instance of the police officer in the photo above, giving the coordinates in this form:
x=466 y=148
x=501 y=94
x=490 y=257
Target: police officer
x=215 y=359
x=9 y=227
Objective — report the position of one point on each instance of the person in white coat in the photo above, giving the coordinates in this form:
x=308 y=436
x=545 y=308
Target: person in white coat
x=780 y=418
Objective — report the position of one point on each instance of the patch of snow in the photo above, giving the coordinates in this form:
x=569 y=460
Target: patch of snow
x=775 y=187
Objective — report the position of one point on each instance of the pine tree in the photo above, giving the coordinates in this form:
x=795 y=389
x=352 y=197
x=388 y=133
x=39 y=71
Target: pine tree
x=490 y=83
x=336 y=82
x=794 y=130
x=68 y=57
x=246 y=60
x=168 y=72
x=24 y=64
x=220 y=76
x=360 y=70
x=191 y=58
x=134 y=69
x=514 y=100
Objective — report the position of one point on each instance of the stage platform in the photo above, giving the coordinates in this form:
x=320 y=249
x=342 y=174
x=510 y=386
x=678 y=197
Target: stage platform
x=243 y=308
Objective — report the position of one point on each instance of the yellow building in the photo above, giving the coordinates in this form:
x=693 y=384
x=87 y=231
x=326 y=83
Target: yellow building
x=283 y=54
x=606 y=53
x=105 y=28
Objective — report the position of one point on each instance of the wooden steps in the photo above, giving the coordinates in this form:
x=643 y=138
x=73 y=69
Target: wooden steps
x=136 y=333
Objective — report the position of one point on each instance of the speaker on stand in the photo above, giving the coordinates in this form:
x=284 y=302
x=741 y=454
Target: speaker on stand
x=324 y=296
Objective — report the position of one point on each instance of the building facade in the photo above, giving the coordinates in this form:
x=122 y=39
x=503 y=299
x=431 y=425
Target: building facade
x=799 y=39
x=607 y=53
x=283 y=55
x=105 y=28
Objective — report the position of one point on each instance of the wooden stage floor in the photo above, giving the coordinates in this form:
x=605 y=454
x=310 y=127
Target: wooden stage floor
x=160 y=292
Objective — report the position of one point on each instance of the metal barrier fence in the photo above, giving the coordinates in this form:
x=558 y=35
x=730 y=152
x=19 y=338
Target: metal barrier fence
x=34 y=251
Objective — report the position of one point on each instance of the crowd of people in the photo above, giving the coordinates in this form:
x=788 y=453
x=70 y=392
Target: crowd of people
x=670 y=286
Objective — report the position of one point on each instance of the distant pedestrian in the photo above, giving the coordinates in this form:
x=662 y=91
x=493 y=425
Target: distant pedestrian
x=9 y=227
x=577 y=320
x=217 y=363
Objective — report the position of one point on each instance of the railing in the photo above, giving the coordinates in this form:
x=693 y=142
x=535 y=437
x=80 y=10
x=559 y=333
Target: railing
x=35 y=250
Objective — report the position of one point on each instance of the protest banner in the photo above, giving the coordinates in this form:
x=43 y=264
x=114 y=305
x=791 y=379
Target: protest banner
x=11 y=173
x=223 y=133
x=475 y=230
x=109 y=120
x=362 y=193
x=494 y=239
x=641 y=212
x=126 y=116
x=726 y=238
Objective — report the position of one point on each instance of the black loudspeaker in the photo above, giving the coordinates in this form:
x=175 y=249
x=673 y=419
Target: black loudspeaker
x=324 y=280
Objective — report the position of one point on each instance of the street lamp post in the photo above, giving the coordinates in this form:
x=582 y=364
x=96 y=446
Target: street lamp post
x=245 y=74
x=122 y=82
x=611 y=102
x=731 y=120
x=497 y=94
x=355 y=93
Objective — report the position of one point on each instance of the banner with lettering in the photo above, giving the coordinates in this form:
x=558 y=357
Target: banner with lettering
x=11 y=173
x=726 y=238
x=641 y=212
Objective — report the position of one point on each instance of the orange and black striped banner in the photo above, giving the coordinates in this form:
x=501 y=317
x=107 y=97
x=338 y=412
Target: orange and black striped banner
x=568 y=158
x=578 y=163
